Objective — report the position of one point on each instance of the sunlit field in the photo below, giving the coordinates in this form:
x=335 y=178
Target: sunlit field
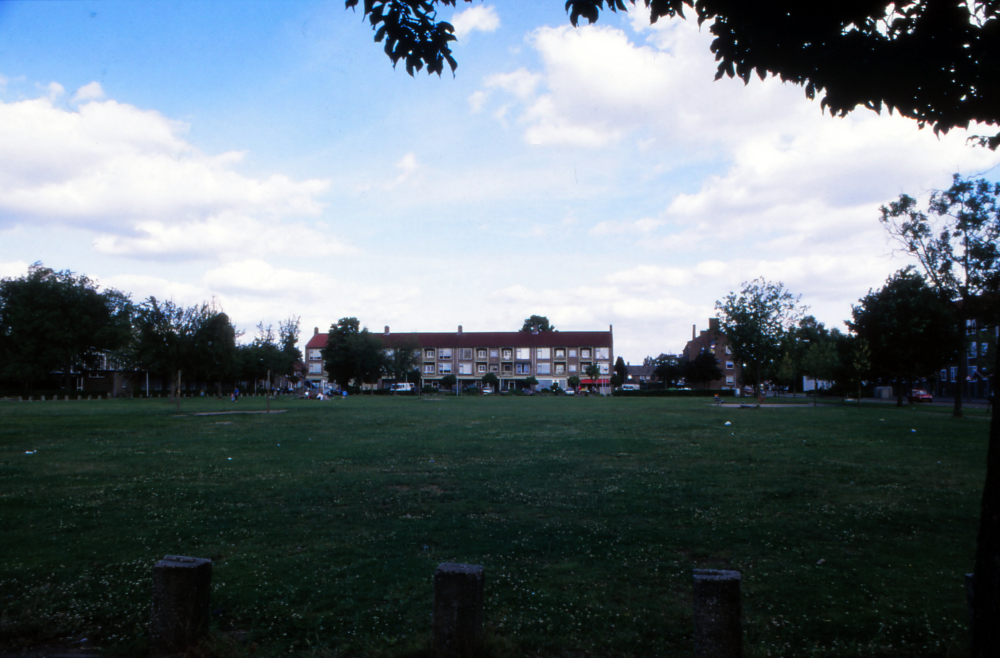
x=852 y=527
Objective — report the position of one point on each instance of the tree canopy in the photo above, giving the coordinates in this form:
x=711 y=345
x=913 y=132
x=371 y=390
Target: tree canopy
x=756 y=319
x=934 y=61
x=538 y=323
x=53 y=321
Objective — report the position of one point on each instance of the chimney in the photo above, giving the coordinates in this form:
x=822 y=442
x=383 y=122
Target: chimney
x=694 y=329
x=611 y=328
x=386 y=330
x=459 y=328
x=315 y=330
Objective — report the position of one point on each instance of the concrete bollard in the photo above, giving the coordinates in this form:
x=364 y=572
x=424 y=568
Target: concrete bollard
x=718 y=626
x=180 y=614
x=458 y=610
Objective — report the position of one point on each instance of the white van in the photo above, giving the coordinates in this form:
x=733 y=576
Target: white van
x=403 y=387
x=628 y=387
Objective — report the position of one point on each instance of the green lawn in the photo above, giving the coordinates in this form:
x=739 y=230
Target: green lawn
x=326 y=522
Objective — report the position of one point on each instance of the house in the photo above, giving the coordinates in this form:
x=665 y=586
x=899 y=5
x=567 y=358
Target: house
x=513 y=356
x=975 y=361
x=641 y=375
x=713 y=340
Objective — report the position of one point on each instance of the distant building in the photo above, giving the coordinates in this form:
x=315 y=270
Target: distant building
x=716 y=342
x=641 y=375
x=513 y=356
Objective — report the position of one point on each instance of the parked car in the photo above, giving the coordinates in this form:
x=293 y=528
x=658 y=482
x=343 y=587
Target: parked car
x=918 y=396
x=629 y=387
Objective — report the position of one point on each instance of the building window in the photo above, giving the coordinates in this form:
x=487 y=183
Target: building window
x=954 y=373
x=480 y=354
x=972 y=350
x=314 y=355
x=315 y=368
x=465 y=354
x=572 y=353
x=944 y=375
x=494 y=354
x=970 y=327
x=507 y=355
x=560 y=352
x=729 y=350
x=444 y=353
x=494 y=368
x=585 y=353
x=507 y=368
x=605 y=368
x=560 y=368
x=729 y=380
x=444 y=368
x=543 y=353
x=428 y=368
x=729 y=365
x=522 y=368
x=982 y=348
x=602 y=353
x=428 y=354
x=523 y=353
x=544 y=368
x=481 y=368
x=465 y=368
x=572 y=367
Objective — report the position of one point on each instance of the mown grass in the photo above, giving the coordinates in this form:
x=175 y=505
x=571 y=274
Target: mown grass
x=326 y=522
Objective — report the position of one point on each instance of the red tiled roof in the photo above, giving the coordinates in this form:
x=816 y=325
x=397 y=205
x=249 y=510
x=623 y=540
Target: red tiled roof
x=489 y=339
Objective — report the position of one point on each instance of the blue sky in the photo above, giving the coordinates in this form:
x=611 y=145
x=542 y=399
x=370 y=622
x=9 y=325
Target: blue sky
x=266 y=154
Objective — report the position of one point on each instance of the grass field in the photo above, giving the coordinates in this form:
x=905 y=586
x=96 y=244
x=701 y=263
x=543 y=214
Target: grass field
x=852 y=528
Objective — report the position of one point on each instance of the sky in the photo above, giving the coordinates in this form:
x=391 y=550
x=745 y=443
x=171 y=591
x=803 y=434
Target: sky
x=265 y=154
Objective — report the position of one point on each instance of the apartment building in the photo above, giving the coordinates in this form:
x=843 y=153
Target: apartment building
x=970 y=373
x=513 y=356
x=713 y=340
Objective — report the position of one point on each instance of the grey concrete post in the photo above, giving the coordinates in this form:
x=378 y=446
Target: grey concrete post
x=180 y=603
x=458 y=610
x=718 y=628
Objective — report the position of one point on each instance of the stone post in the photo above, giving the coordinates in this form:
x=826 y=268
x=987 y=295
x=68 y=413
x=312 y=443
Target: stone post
x=718 y=629
x=458 y=610
x=180 y=603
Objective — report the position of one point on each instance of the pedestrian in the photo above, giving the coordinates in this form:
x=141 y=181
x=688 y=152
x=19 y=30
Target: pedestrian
x=236 y=394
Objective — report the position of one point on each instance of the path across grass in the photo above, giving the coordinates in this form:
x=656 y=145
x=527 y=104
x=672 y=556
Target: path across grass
x=852 y=527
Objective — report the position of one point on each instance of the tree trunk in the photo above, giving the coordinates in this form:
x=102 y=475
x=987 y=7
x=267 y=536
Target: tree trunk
x=986 y=587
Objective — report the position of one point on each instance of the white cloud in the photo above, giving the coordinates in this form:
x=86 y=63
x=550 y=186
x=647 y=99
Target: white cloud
x=130 y=174
x=88 y=92
x=641 y=226
x=480 y=17
x=13 y=269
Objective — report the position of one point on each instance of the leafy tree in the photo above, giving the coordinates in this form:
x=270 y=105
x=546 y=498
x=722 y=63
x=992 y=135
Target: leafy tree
x=538 y=323
x=57 y=321
x=755 y=320
x=574 y=382
x=403 y=361
x=957 y=242
x=490 y=379
x=909 y=328
x=593 y=372
x=821 y=362
x=702 y=369
x=668 y=368
x=215 y=351
x=932 y=61
x=288 y=338
x=449 y=381
x=531 y=381
x=368 y=356
x=621 y=372
x=337 y=359
x=957 y=245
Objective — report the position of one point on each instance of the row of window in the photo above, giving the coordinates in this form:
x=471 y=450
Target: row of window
x=511 y=368
x=983 y=347
x=519 y=353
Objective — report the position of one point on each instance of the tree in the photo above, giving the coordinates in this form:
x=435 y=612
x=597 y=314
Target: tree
x=820 y=362
x=703 y=368
x=667 y=368
x=215 y=349
x=490 y=379
x=403 y=361
x=531 y=382
x=337 y=359
x=57 y=321
x=538 y=324
x=755 y=320
x=621 y=372
x=957 y=242
x=908 y=327
x=593 y=372
x=929 y=60
x=368 y=356
x=574 y=382
x=449 y=381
